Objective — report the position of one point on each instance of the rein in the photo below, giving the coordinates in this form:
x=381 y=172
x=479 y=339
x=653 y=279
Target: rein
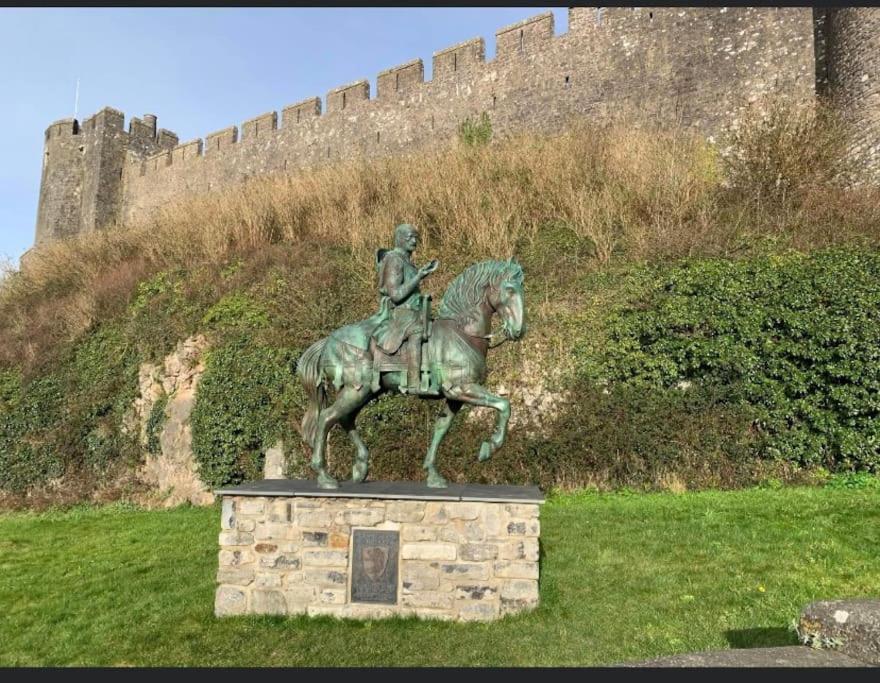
x=488 y=337
x=495 y=346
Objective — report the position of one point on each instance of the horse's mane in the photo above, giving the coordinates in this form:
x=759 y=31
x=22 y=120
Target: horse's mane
x=466 y=291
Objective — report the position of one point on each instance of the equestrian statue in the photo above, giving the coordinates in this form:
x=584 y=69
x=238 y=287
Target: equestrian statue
x=404 y=348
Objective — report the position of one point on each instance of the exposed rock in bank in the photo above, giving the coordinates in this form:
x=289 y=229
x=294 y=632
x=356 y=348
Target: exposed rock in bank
x=172 y=472
x=533 y=391
x=274 y=465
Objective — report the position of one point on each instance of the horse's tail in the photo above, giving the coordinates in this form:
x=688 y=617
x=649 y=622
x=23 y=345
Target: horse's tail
x=309 y=369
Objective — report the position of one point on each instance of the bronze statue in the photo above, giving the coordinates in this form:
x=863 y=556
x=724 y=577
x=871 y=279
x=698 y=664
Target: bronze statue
x=403 y=348
x=399 y=282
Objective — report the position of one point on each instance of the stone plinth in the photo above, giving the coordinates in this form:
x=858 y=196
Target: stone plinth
x=462 y=553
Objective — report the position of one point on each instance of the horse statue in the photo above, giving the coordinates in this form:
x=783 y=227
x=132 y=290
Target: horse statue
x=453 y=363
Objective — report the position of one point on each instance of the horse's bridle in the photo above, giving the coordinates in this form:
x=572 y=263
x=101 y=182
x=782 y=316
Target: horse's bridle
x=487 y=337
x=495 y=346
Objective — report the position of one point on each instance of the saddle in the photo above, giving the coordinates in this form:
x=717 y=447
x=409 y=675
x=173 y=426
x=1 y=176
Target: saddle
x=410 y=359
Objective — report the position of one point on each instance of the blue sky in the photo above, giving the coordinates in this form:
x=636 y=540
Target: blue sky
x=198 y=70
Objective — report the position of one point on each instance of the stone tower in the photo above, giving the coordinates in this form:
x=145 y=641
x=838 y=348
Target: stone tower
x=58 y=213
x=81 y=183
x=848 y=73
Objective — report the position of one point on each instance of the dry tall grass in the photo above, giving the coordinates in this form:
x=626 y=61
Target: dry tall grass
x=787 y=150
x=631 y=193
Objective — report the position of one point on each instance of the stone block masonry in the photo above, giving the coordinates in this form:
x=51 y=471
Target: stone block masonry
x=458 y=560
x=694 y=67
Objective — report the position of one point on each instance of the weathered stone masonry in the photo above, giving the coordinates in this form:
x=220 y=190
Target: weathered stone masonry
x=462 y=561
x=848 y=70
x=692 y=67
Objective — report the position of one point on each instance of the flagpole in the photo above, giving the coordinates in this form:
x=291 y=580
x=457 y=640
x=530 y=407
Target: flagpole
x=76 y=99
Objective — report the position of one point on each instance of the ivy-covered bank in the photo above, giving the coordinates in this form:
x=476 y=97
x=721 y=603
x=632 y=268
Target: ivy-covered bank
x=702 y=372
x=68 y=417
x=793 y=339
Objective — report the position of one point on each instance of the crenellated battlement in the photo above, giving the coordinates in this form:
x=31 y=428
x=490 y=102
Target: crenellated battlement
x=143 y=128
x=217 y=142
x=527 y=36
x=391 y=83
x=348 y=97
x=259 y=127
x=82 y=185
x=459 y=59
x=697 y=67
x=188 y=151
x=62 y=127
x=301 y=112
x=108 y=117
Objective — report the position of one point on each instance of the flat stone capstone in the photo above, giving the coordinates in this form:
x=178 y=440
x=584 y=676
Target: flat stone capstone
x=390 y=490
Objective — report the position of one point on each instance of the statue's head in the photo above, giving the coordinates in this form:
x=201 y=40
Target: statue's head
x=406 y=237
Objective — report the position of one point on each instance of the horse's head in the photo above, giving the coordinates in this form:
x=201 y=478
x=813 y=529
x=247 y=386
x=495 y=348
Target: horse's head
x=484 y=289
x=508 y=301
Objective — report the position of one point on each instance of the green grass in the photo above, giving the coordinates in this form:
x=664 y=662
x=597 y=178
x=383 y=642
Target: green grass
x=623 y=577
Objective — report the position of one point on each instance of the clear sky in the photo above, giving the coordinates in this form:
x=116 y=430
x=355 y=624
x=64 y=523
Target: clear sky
x=198 y=70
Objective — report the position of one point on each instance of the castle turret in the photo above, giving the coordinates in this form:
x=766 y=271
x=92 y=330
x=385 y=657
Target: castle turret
x=59 y=210
x=848 y=73
x=105 y=142
x=83 y=170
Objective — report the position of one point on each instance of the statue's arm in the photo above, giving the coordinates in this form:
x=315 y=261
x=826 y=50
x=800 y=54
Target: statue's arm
x=396 y=287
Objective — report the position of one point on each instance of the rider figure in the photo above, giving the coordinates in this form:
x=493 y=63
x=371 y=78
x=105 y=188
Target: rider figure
x=399 y=290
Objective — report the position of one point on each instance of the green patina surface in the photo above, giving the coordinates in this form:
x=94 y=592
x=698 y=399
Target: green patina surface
x=401 y=348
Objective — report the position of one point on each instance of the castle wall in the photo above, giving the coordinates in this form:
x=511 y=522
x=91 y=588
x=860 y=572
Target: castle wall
x=692 y=67
x=697 y=68
x=848 y=71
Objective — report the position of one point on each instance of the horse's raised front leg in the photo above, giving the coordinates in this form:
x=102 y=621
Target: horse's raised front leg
x=348 y=402
x=477 y=395
x=450 y=409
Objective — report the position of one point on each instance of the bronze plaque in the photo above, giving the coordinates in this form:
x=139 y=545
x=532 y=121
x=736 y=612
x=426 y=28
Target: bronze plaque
x=375 y=558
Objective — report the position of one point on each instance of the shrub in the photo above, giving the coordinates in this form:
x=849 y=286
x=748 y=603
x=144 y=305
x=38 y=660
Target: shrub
x=784 y=150
x=475 y=133
x=155 y=423
x=69 y=421
x=236 y=312
x=162 y=313
x=245 y=402
x=794 y=337
x=28 y=413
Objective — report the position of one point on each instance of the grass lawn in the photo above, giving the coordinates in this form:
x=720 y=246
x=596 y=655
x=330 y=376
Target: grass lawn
x=623 y=577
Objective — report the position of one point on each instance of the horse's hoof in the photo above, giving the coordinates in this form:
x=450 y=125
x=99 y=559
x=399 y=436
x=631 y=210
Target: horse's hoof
x=325 y=481
x=359 y=472
x=485 y=451
x=436 y=480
